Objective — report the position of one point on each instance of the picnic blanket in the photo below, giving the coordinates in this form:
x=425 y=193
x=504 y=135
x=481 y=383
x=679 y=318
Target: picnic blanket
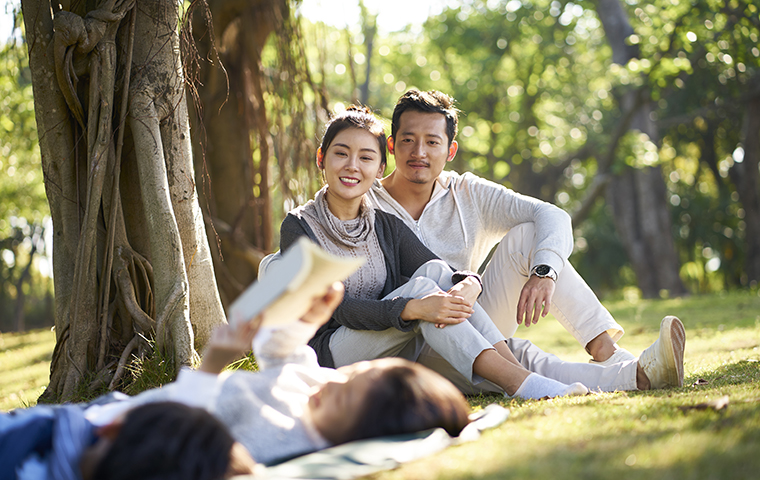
x=364 y=457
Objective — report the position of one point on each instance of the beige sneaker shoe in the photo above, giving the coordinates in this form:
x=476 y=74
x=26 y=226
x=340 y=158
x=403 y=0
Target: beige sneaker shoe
x=663 y=360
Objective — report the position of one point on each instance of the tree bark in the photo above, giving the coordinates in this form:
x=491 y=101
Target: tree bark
x=638 y=196
x=130 y=255
x=234 y=148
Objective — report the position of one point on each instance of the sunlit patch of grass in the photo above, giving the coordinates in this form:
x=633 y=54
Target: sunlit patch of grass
x=622 y=435
x=153 y=371
x=24 y=367
x=248 y=362
x=631 y=435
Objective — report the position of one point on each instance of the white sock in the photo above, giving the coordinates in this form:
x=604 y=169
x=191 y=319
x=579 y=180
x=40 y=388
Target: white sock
x=537 y=387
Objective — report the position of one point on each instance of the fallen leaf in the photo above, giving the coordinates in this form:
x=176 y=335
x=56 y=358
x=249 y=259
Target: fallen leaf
x=717 y=405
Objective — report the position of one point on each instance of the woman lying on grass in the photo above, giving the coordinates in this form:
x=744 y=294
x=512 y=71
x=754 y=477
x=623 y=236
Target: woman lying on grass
x=292 y=406
x=385 y=316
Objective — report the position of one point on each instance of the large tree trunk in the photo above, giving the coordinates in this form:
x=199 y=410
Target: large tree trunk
x=638 y=196
x=130 y=256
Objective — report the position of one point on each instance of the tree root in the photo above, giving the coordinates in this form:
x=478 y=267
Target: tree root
x=131 y=346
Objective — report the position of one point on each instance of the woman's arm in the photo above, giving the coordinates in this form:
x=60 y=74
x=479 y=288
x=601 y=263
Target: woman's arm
x=291 y=229
x=352 y=312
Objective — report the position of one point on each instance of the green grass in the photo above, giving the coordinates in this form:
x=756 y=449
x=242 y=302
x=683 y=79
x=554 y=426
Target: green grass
x=24 y=367
x=626 y=435
x=631 y=435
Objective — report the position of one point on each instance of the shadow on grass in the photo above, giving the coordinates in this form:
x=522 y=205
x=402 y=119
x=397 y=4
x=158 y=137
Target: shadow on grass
x=45 y=357
x=676 y=456
x=744 y=371
x=665 y=443
x=21 y=345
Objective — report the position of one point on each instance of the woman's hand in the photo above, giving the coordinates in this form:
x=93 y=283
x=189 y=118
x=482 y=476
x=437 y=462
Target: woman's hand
x=228 y=344
x=323 y=307
x=468 y=289
x=440 y=308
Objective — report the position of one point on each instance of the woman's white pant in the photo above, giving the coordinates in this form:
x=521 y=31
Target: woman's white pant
x=459 y=344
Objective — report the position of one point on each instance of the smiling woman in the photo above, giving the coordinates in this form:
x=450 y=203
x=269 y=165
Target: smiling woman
x=352 y=155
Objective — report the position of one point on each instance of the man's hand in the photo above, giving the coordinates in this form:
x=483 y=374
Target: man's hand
x=535 y=299
x=439 y=308
x=322 y=308
x=468 y=290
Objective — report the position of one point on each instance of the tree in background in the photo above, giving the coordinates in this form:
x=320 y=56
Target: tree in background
x=706 y=82
x=131 y=258
x=23 y=209
x=258 y=113
x=637 y=192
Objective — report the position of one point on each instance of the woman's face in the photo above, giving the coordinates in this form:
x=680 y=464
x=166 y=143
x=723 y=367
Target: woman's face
x=351 y=163
x=336 y=406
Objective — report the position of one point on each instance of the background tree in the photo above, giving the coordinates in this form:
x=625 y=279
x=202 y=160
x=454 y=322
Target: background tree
x=25 y=292
x=254 y=132
x=131 y=259
x=638 y=195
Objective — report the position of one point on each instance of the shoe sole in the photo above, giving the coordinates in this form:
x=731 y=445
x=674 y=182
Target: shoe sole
x=673 y=335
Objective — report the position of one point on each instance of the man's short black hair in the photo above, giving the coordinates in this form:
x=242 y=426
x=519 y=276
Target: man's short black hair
x=431 y=101
x=167 y=441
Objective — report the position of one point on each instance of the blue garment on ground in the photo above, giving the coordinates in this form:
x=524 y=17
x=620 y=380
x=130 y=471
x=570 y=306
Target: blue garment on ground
x=53 y=437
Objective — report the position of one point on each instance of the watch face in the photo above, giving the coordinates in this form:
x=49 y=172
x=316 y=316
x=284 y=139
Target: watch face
x=542 y=270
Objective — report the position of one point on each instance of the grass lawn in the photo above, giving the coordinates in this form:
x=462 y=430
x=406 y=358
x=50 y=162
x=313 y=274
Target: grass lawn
x=626 y=435
x=24 y=367
x=631 y=435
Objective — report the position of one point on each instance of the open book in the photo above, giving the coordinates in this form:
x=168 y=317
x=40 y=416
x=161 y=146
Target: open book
x=303 y=273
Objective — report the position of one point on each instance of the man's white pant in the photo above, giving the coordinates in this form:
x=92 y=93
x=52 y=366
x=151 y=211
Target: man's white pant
x=574 y=304
x=620 y=376
x=459 y=344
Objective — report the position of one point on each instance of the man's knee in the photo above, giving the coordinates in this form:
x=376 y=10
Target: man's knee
x=520 y=238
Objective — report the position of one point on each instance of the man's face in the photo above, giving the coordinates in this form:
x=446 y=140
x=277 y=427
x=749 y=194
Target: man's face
x=421 y=146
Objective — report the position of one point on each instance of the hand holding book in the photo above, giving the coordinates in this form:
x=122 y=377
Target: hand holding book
x=304 y=273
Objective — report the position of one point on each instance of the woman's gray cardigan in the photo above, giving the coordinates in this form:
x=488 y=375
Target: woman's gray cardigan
x=404 y=253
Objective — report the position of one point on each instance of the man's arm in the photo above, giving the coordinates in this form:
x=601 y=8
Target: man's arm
x=502 y=209
x=553 y=241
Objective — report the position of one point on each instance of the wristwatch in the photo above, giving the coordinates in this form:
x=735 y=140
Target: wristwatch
x=544 y=271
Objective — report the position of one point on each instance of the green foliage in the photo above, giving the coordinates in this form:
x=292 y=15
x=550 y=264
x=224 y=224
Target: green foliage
x=539 y=95
x=23 y=206
x=599 y=256
x=22 y=192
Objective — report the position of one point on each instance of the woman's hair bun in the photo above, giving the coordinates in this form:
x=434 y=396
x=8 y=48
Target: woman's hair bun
x=359 y=108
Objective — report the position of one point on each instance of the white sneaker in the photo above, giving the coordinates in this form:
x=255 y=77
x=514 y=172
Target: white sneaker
x=663 y=360
x=620 y=355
